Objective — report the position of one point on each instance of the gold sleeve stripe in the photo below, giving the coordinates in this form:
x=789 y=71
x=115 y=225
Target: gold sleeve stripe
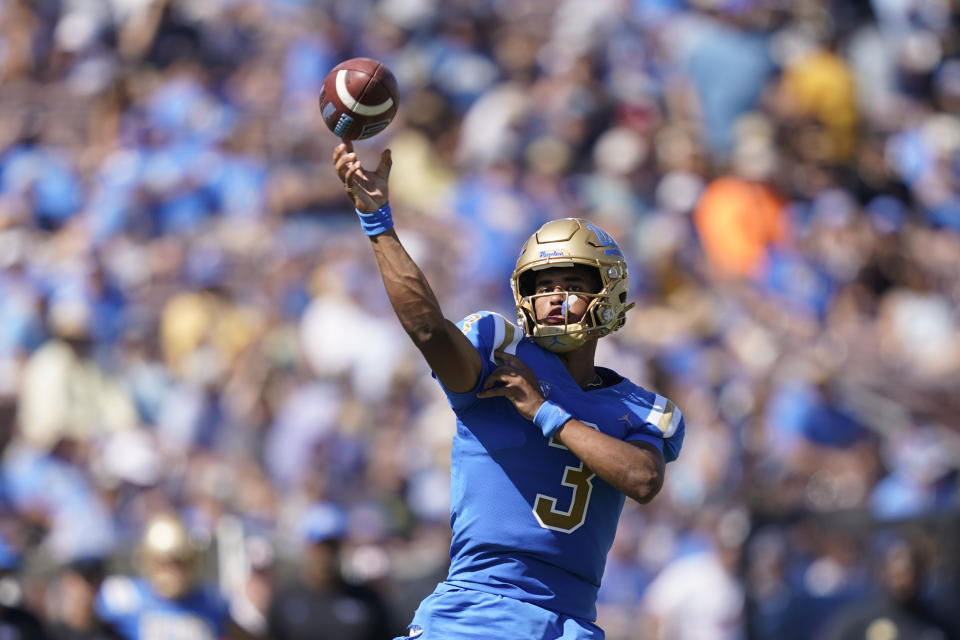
x=506 y=336
x=675 y=417
x=498 y=333
x=508 y=330
x=656 y=411
x=664 y=415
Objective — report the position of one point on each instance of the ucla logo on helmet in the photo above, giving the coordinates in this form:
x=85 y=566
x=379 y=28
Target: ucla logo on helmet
x=604 y=238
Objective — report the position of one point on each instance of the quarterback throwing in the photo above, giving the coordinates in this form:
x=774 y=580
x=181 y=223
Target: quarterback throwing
x=548 y=444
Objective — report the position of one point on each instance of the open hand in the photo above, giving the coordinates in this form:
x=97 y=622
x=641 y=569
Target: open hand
x=367 y=189
x=515 y=381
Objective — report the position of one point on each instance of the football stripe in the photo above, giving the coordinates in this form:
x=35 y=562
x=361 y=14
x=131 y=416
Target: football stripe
x=353 y=104
x=506 y=338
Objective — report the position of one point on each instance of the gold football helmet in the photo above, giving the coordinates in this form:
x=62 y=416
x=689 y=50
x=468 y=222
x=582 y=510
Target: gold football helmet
x=169 y=558
x=565 y=243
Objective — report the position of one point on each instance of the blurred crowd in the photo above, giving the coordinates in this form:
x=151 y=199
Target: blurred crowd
x=190 y=321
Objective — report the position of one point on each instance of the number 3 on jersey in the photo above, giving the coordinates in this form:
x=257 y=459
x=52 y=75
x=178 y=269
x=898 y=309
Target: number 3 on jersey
x=580 y=479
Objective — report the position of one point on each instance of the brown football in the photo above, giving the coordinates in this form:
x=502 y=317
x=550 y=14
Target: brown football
x=359 y=98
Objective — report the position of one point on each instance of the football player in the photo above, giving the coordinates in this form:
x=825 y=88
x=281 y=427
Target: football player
x=168 y=602
x=320 y=602
x=547 y=445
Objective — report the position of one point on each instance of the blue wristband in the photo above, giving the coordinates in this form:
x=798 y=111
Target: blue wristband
x=377 y=222
x=550 y=418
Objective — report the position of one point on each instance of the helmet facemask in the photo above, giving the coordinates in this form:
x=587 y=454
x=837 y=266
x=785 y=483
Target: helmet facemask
x=560 y=338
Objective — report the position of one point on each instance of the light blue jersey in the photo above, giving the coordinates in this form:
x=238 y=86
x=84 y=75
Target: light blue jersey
x=529 y=521
x=138 y=613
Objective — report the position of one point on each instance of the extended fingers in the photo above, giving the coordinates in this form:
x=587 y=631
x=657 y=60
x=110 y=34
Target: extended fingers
x=354 y=170
x=345 y=146
x=343 y=162
x=340 y=153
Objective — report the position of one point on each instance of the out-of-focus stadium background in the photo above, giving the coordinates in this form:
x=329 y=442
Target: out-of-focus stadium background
x=190 y=318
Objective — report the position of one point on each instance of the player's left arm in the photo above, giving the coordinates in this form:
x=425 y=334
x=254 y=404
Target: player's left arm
x=634 y=468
